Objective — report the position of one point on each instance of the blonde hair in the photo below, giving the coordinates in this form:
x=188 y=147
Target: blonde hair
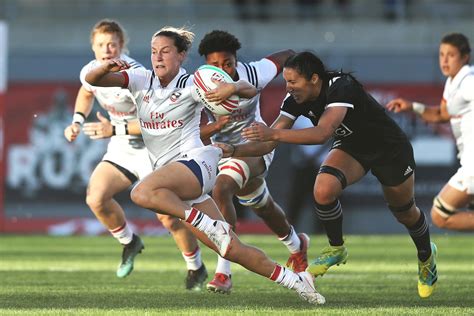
x=112 y=27
x=183 y=37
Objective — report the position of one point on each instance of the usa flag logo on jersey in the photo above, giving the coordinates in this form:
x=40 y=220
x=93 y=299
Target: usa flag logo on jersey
x=174 y=96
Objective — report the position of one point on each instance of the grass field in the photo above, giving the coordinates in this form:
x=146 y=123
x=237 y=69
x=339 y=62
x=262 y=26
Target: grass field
x=76 y=276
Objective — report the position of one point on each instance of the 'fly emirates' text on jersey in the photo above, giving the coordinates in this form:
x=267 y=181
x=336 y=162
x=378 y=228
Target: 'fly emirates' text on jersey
x=366 y=127
x=169 y=116
x=459 y=96
x=259 y=74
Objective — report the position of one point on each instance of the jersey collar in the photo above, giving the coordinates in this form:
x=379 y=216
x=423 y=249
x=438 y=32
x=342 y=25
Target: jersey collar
x=172 y=83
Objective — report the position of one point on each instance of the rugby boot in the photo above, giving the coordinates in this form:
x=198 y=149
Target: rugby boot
x=221 y=283
x=306 y=290
x=298 y=262
x=219 y=234
x=128 y=256
x=332 y=255
x=195 y=278
x=427 y=274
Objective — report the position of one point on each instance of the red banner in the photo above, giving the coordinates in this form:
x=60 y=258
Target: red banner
x=42 y=169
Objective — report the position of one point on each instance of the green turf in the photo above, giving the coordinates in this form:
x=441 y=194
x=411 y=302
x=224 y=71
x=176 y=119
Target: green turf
x=76 y=276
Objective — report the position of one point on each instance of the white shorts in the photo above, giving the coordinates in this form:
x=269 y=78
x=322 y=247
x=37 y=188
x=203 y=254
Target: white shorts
x=135 y=160
x=206 y=158
x=462 y=181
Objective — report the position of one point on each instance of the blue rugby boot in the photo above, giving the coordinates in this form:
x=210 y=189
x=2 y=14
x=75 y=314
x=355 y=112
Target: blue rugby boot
x=128 y=256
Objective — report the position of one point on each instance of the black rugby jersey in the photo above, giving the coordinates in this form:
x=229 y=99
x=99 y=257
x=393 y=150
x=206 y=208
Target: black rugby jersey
x=365 y=127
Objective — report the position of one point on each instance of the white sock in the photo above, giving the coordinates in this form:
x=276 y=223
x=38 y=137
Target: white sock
x=292 y=241
x=223 y=266
x=199 y=220
x=284 y=277
x=193 y=259
x=123 y=234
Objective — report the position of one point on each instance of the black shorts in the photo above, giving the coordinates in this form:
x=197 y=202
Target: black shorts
x=391 y=164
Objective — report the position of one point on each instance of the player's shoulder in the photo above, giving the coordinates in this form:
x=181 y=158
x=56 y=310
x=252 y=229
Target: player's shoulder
x=289 y=100
x=184 y=80
x=469 y=78
x=248 y=72
x=343 y=84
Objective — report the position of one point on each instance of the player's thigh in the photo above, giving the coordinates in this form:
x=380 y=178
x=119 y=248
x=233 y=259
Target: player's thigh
x=176 y=177
x=352 y=170
x=107 y=180
x=454 y=197
x=237 y=173
x=258 y=170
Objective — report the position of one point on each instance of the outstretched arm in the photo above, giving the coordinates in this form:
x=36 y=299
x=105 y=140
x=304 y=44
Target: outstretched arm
x=430 y=114
x=320 y=134
x=256 y=148
x=106 y=75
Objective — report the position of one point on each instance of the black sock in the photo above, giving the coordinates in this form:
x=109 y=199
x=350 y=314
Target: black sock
x=420 y=234
x=331 y=218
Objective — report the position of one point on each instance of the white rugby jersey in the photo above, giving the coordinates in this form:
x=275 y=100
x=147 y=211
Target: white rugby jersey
x=259 y=74
x=459 y=96
x=169 y=116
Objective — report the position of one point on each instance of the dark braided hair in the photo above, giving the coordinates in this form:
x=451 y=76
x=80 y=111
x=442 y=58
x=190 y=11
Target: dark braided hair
x=219 y=41
x=307 y=64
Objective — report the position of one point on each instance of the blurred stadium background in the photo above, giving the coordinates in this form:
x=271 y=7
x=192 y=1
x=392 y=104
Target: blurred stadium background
x=391 y=46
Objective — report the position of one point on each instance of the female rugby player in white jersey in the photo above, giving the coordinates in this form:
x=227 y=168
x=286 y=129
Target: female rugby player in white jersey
x=244 y=177
x=457 y=107
x=126 y=158
x=184 y=169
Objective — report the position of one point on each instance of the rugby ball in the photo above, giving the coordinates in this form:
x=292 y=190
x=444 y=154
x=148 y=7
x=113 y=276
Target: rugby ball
x=204 y=81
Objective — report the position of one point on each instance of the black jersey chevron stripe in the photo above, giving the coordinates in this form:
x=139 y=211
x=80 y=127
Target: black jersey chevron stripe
x=181 y=83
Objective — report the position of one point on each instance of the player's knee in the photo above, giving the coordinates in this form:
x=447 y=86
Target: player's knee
x=140 y=195
x=406 y=213
x=325 y=195
x=95 y=201
x=257 y=199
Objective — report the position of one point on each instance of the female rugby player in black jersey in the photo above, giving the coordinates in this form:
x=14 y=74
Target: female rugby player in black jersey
x=365 y=138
